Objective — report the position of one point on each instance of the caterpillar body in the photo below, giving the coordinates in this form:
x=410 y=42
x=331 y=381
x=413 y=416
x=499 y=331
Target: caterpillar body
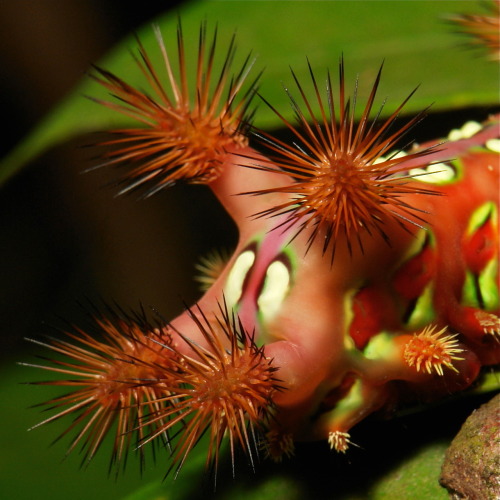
x=363 y=277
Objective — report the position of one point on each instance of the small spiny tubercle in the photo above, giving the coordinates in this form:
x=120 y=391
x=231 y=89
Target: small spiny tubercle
x=339 y=441
x=430 y=350
x=278 y=445
x=210 y=267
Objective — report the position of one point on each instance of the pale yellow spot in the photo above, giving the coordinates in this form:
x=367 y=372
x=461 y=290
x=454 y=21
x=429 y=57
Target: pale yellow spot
x=435 y=173
x=275 y=289
x=455 y=135
x=399 y=154
x=468 y=130
x=237 y=275
x=493 y=145
x=390 y=156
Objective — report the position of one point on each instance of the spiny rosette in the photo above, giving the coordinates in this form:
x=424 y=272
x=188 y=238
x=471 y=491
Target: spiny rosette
x=113 y=377
x=223 y=386
x=339 y=441
x=484 y=29
x=210 y=267
x=346 y=178
x=430 y=350
x=278 y=445
x=186 y=125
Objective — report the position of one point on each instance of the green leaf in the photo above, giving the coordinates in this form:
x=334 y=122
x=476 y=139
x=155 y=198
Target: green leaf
x=418 y=48
x=417 y=477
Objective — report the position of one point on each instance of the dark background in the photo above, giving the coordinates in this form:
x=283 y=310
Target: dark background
x=64 y=238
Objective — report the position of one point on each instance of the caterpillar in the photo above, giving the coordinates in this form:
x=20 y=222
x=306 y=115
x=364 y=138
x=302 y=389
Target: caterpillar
x=365 y=276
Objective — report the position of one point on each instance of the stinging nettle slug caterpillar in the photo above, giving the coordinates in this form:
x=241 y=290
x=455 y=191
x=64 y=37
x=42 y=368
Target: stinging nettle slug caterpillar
x=364 y=275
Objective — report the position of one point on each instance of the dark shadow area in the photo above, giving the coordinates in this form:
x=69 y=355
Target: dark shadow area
x=321 y=474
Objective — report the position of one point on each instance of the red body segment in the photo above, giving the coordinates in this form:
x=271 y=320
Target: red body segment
x=341 y=331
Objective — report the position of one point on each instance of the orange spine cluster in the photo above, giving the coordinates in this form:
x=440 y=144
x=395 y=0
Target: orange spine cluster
x=134 y=380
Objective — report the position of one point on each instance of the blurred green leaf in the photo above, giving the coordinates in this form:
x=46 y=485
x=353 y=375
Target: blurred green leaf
x=418 y=47
x=32 y=468
x=415 y=478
